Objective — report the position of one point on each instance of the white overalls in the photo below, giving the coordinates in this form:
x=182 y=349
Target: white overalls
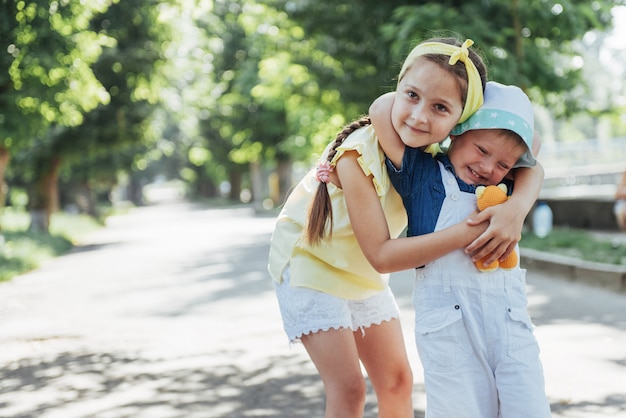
x=474 y=335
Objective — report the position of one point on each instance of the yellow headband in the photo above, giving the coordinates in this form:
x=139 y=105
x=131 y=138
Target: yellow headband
x=474 y=84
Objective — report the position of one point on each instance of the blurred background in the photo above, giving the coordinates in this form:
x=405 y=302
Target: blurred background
x=122 y=102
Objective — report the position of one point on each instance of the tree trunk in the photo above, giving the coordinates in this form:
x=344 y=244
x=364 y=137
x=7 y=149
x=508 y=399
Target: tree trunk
x=256 y=179
x=86 y=199
x=519 y=39
x=234 y=176
x=44 y=197
x=135 y=192
x=4 y=162
x=285 y=180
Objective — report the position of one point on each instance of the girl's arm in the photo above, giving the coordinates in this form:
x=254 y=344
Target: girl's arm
x=507 y=219
x=388 y=138
x=372 y=232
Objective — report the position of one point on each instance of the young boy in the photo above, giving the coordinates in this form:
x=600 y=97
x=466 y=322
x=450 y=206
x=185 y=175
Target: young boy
x=472 y=330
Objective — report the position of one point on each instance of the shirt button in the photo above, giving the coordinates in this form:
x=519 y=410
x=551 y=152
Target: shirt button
x=420 y=277
x=454 y=197
x=450 y=181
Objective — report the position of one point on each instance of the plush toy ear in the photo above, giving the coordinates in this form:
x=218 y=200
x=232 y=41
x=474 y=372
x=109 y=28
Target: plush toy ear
x=480 y=190
x=503 y=187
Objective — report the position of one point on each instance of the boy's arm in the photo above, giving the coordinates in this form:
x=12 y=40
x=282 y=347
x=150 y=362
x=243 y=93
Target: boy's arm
x=390 y=142
x=507 y=220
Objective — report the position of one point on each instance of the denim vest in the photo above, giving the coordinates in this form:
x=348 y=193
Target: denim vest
x=420 y=185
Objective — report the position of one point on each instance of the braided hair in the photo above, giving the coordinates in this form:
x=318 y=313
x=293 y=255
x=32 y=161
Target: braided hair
x=320 y=219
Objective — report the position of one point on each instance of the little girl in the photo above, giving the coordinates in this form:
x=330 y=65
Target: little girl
x=335 y=240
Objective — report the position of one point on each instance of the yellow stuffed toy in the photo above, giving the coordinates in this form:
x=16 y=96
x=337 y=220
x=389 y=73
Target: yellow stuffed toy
x=487 y=196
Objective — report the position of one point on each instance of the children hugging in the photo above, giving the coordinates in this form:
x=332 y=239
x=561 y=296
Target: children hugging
x=337 y=238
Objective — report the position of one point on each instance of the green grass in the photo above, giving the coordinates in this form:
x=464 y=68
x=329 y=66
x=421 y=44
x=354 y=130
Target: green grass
x=578 y=244
x=22 y=250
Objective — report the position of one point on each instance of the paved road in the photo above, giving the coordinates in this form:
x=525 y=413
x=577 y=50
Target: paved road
x=169 y=312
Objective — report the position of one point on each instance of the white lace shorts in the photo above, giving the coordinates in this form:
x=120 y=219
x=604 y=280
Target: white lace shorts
x=305 y=311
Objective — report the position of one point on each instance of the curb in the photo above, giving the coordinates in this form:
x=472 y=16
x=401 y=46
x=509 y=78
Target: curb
x=608 y=276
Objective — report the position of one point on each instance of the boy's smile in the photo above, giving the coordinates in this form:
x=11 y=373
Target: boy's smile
x=483 y=156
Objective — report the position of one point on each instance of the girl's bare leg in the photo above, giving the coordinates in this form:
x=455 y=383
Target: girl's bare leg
x=335 y=356
x=383 y=354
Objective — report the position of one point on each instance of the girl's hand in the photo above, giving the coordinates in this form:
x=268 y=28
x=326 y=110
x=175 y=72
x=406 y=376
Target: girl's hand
x=502 y=235
x=506 y=220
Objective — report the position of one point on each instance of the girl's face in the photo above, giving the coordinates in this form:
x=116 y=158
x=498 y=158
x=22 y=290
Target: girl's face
x=484 y=156
x=428 y=104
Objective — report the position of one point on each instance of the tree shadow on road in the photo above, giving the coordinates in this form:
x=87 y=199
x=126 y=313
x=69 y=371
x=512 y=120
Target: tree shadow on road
x=614 y=405
x=236 y=275
x=123 y=385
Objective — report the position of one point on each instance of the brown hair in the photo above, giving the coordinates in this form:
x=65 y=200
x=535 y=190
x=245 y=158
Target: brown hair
x=320 y=217
x=321 y=211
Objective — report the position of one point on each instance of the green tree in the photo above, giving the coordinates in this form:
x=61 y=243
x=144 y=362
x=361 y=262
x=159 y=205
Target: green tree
x=47 y=85
x=118 y=136
x=91 y=70
x=533 y=44
x=349 y=31
x=258 y=104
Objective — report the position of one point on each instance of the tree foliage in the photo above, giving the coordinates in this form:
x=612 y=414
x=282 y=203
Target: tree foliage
x=116 y=136
x=47 y=79
x=533 y=44
x=220 y=90
x=77 y=85
x=260 y=102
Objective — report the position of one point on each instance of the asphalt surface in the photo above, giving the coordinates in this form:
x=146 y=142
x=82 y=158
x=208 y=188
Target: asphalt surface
x=169 y=312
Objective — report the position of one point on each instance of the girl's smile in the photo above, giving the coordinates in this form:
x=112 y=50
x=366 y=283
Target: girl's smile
x=427 y=106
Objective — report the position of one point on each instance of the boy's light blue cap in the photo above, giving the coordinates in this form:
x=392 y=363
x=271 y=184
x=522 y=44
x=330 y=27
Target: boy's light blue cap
x=505 y=107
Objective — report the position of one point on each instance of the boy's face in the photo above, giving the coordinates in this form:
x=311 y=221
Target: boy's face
x=427 y=104
x=484 y=156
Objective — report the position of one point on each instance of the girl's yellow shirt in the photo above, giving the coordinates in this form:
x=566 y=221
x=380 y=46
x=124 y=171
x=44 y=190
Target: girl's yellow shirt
x=336 y=266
